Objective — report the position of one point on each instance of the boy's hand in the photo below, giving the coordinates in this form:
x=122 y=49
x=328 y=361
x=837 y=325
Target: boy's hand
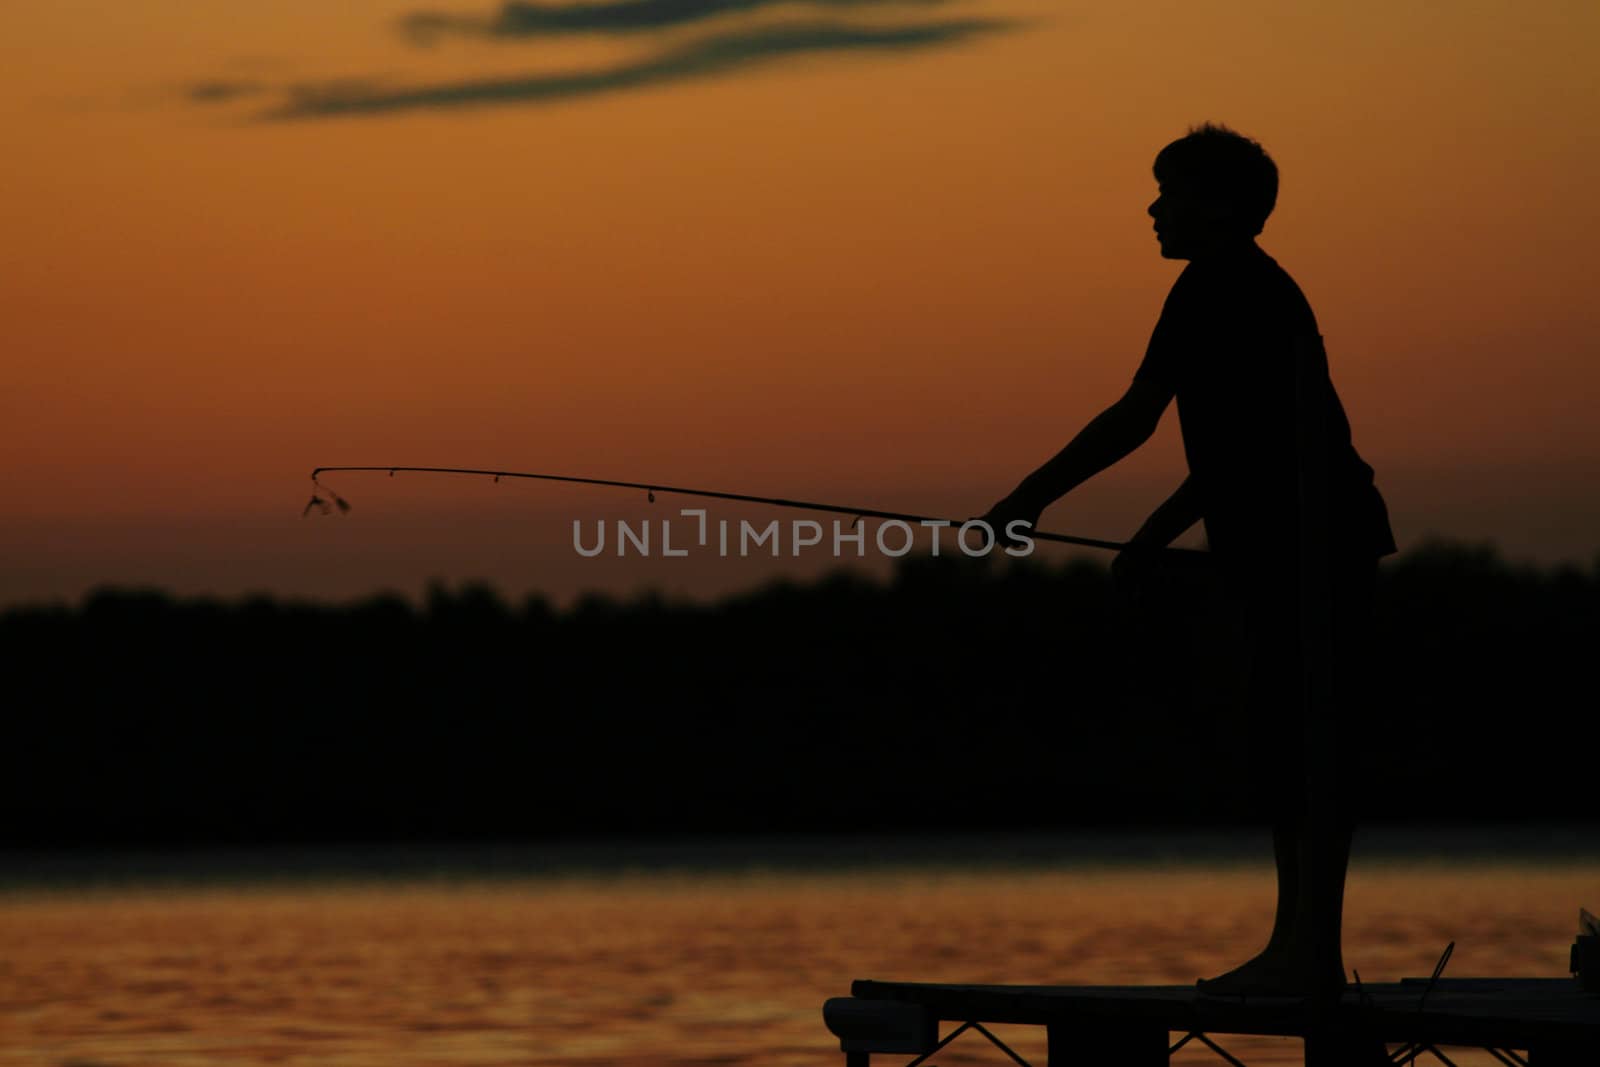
x=1128 y=572
x=1007 y=511
x=1131 y=568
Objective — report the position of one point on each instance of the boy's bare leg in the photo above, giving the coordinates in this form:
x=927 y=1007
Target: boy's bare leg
x=1317 y=960
x=1303 y=956
x=1270 y=961
x=1286 y=858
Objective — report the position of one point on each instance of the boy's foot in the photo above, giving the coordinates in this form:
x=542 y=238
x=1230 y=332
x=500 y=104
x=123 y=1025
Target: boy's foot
x=1273 y=975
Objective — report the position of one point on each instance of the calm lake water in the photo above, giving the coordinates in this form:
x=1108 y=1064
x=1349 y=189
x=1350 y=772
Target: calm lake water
x=674 y=965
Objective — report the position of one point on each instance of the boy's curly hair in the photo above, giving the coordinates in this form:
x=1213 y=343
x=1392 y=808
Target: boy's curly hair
x=1216 y=161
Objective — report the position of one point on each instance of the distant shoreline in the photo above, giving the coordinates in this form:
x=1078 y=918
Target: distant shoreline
x=1463 y=845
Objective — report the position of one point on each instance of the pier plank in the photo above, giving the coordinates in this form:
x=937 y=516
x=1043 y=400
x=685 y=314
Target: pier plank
x=1551 y=1019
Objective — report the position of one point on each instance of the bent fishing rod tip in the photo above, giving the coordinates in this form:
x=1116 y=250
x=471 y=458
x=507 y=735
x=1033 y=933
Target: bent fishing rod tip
x=321 y=504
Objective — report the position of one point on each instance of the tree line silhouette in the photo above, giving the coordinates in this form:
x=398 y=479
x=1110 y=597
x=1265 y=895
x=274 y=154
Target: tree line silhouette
x=956 y=694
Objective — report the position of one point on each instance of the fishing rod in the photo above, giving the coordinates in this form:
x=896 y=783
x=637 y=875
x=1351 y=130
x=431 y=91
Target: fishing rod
x=652 y=488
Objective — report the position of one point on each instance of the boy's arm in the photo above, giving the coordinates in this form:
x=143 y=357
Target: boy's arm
x=1108 y=437
x=1176 y=514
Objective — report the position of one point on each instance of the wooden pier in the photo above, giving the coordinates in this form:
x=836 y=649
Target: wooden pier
x=1522 y=1022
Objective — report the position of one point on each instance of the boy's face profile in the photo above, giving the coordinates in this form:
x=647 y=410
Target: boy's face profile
x=1187 y=221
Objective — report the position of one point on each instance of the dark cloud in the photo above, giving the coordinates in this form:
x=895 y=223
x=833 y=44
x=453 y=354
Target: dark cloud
x=711 y=56
x=519 y=18
x=218 y=90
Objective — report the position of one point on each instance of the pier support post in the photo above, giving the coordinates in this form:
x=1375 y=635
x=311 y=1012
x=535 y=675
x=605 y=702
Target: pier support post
x=867 y=1026
x=1078 y=1045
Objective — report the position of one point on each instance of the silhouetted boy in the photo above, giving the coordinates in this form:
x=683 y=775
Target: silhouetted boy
x=1291 y=515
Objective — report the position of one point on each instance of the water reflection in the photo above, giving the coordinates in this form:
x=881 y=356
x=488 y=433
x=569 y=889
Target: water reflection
x=681 y=968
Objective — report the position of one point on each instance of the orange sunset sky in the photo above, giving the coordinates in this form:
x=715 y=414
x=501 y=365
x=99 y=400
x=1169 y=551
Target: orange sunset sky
x=887 y=253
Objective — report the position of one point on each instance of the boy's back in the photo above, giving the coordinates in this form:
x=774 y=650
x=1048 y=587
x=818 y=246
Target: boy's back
x=1225 y=346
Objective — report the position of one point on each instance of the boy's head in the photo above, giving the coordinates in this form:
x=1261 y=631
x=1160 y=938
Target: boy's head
x=1217 y=187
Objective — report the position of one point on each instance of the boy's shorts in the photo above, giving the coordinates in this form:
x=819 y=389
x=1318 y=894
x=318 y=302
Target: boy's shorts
x=1276 y=731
